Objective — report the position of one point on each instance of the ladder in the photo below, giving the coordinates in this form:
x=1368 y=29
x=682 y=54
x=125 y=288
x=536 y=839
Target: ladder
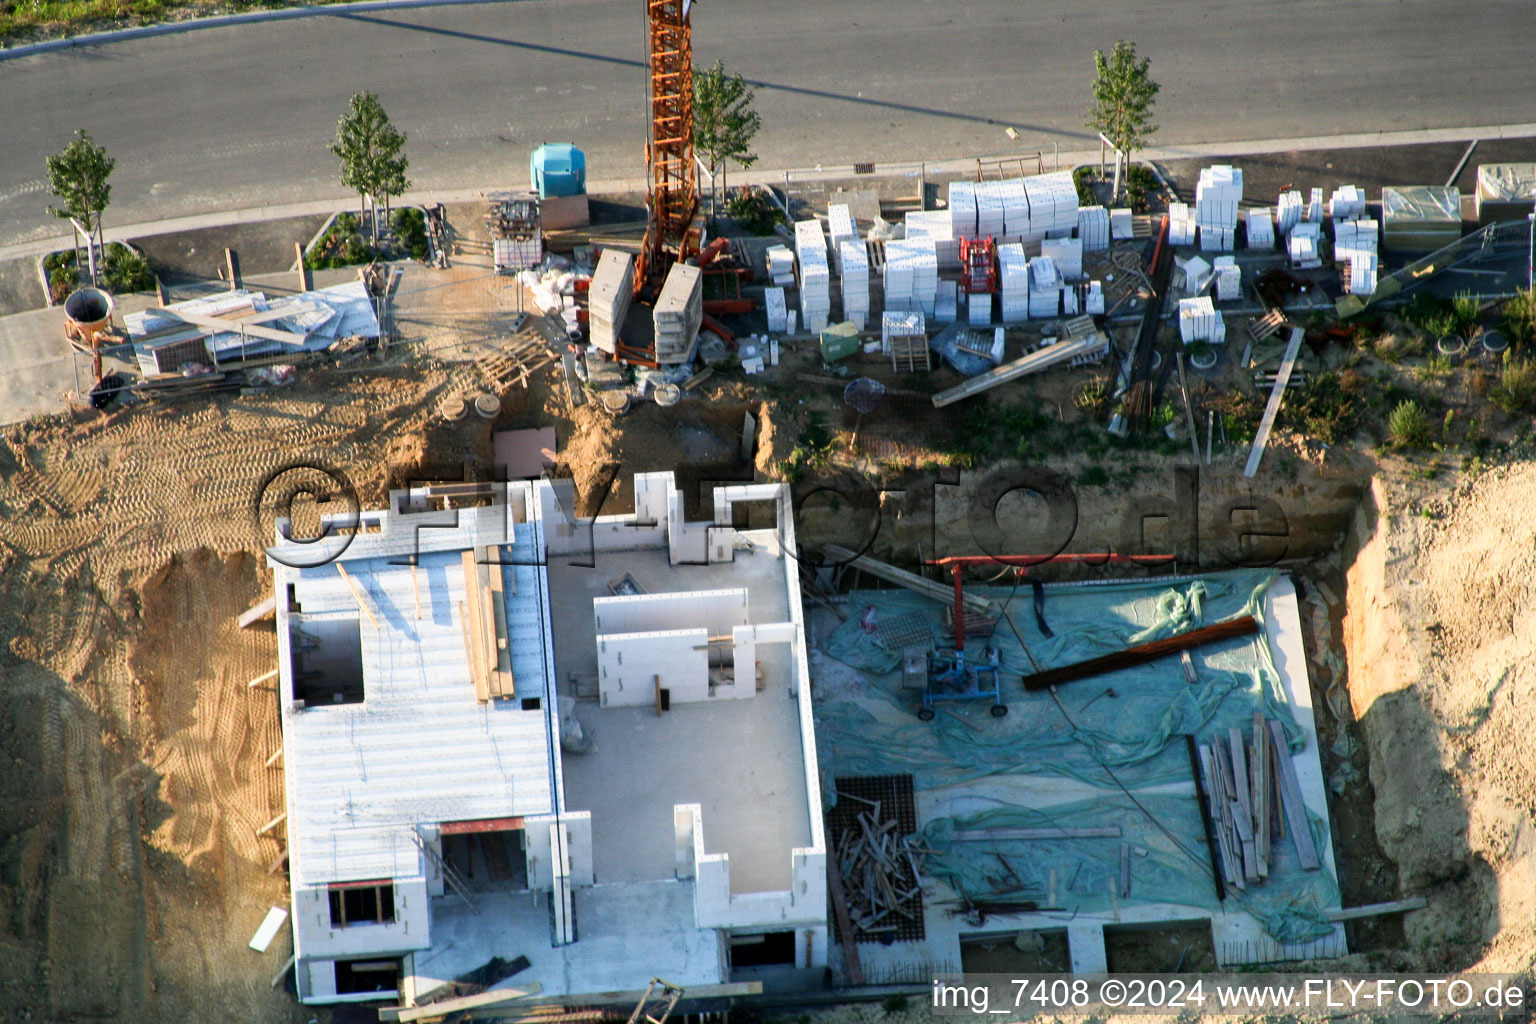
x=654 y=1007
x=455 y=882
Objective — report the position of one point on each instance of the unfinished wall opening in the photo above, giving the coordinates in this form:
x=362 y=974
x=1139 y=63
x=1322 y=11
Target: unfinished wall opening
x=488 y=855
x=1037 y=952
x=355 y=903
x=1170 y=947
x=764 y=949
x=354 y=976
x=327 y=660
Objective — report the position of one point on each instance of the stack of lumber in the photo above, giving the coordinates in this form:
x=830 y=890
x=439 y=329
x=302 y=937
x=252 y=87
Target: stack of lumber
x=1067 y=254
x=1254 y=798
x=1229 y=279
x=1218 y=193
x=1261 y=229
x=1354 y=251
x=1288 y=211
x=1093 y=228
x=879 y=873
x=1505 y=192
x=853 y=258
x=815 y=275
x=678 y=312
x=840 y=226
x=1304 y=245
x=1013 y=282
x=777 y=310
x=483 y=617
x=962 y=209
x=1199 y=321
x=1420 y=218
x=1346 y=203
x=1044 y=289
x=1181 y=224
x=608 y=298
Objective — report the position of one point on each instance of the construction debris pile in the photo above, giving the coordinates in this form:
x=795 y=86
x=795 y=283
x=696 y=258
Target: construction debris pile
x=879 y=871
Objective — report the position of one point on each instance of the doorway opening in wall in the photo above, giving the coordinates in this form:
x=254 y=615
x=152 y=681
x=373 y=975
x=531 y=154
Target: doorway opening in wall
x=327 y=660
x=354 y=976
x=354 y=903
x=764 y=949
x=488 y=854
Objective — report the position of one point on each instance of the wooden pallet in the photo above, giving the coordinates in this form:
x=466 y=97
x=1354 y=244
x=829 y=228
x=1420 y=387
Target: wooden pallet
x=876 y=249
x=1142 y=225
x=1264 y=326
x=910 y=354
x=1078 y=327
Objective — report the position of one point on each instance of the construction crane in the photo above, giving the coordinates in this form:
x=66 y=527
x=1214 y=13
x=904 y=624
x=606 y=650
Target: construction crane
x=674 y=226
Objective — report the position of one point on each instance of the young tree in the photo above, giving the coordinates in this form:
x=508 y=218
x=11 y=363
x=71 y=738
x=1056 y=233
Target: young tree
x=1123 y=95
x=78 y=179
x=724 y=122
x=371 y=151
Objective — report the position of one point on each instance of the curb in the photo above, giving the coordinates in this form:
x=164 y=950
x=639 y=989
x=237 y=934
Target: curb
x=223 y=20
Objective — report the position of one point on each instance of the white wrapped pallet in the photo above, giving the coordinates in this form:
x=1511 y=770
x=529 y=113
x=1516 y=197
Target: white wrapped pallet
x=1066 y=254
x=777 y=310
x=1122 y=224
x=1013 y=282
x=1303 y=245
x=1218 y=194
x=840 y=228
x=1052 y=203
x=1094 y=303
x=901 y=325
x=1069 y=301
x=1199 y=321
x=781 y=266
x=854 y=260
x=934 y=226
x=1288 y=211
x=1355 y=242
x=815 y=275
x=1229 y=279
x=678 y=312
x=1044 y=289
x=978 y=307
x=946 y=303
x=1016 y=218
x=1314 y=211
x=1181 y=224
x=1093 y=228
x=989 y=209
x=1261 y=229
x=609 y=297
x=1192 y=274
x=962 y=209
x=1346 y=203
x=911 y=274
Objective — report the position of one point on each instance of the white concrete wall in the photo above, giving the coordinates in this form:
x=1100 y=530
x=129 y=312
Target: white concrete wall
x=629 y=663
x=568 y=534
x=578 y=842
x=314 y=936
x=716 y=907
x=715 y=610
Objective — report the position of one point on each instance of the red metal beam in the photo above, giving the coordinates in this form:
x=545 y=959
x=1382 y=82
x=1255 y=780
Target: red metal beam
x=459 y=828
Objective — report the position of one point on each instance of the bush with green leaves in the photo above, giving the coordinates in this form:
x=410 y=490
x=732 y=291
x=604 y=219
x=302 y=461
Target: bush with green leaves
x=124 y=270
x=752 y=210
x=1432 y=314
x=1516 y=390
x=1084 y=177
x=1520 y=318
x=410 y=226
x=1408 y=426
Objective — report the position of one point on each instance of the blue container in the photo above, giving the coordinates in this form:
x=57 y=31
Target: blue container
x=558 y=169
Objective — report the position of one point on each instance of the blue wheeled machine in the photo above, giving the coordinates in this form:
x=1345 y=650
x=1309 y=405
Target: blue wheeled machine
x=954 y=675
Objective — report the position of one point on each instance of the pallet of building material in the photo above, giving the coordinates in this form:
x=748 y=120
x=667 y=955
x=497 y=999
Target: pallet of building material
x=609 y=297
x=678 y=313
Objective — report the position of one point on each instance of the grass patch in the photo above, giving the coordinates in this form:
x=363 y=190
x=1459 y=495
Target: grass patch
x=1394 y=347
x=814 y=450
x=1408 y=426
x=1516 y=390
x=1328 y=407
x=1520 y=318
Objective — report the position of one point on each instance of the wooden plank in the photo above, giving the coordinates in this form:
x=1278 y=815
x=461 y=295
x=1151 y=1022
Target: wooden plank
x=1032 y=363
x=232 y=326
x=1243 y=625
x=1259 y=760
x=910 y=580
x=1276 y=397
x=472 y=610
x=978 y=834
x=1202 y=798
x=1290 y=796
x=490 y=997
x=276 y=756
x=1378 y=909
x=358 y=595
x=1125 y=870
x=1240 y=774
x=502 y=684
x=851 y=964
x=459 y=828
x=1218 y=801
x=472 y=655
x=1189 y=415
x=262 y=678
x=269 y=826
x=256 y=612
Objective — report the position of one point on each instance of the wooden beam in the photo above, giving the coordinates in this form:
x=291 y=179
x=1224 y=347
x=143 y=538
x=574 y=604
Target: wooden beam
x=358 y=595
x=442 y=1008
x=911 y=580
x=269 y=826
x=416 y=587
x=1032 y=363
x=1243 y=625
x=1259 y=762
x=1378 y=909
x=979 y=834
x=263 y=678
x=1203 y=799
x=1276 y=396
x=472 y=653
x=256 y=612
x=851 y=965
x=1290 y=796
x=274 y=758
x=232 y=326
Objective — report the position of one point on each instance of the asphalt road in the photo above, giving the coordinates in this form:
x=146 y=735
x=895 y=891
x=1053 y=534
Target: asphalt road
x=239 y=116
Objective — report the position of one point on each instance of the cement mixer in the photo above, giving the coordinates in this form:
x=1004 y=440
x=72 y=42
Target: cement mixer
x=87 y=320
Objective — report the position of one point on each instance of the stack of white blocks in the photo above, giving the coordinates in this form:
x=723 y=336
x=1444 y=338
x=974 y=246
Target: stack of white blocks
x=978 y=309
x=1093 y=228
x=1067 y=254
x=1122 y=224
x=1288 y=211
x=962 y=209
x=989 y=209
x=1052 y=204
x=854 y=261
x=1094 y=304
x=1013 y=282
x=946 y=302
x=1196 y=274
x=895 y=324
x=911 y=274
x=777 y=310
x=1229 y=279
x=1181 y=224
x=608 y=298
x=1015 y=209
x=840 y=227
x=1044 y=289
x=1356 y=241
x=815 y=275
x=1314 y=214
x=781 y=266
x=1069 y=300
x=1304 y=246
x=1347 y=203
x=1199 y=321
x=1261 y=229
x=1218 y=193
x=935 y=226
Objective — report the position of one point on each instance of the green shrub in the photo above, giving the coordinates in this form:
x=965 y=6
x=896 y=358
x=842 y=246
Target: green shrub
x=1140 y=174
x=1084 y=177
x=410 y=226
x=1431 y=314
x=1465 y=308
x=61 y=281
x=1516 y=390
x=1327 y=408
x=1520 y=318
x=1394 y=347
x=124 y=270
x=894 y=1003
x=753 y=211
x=1408 y=426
